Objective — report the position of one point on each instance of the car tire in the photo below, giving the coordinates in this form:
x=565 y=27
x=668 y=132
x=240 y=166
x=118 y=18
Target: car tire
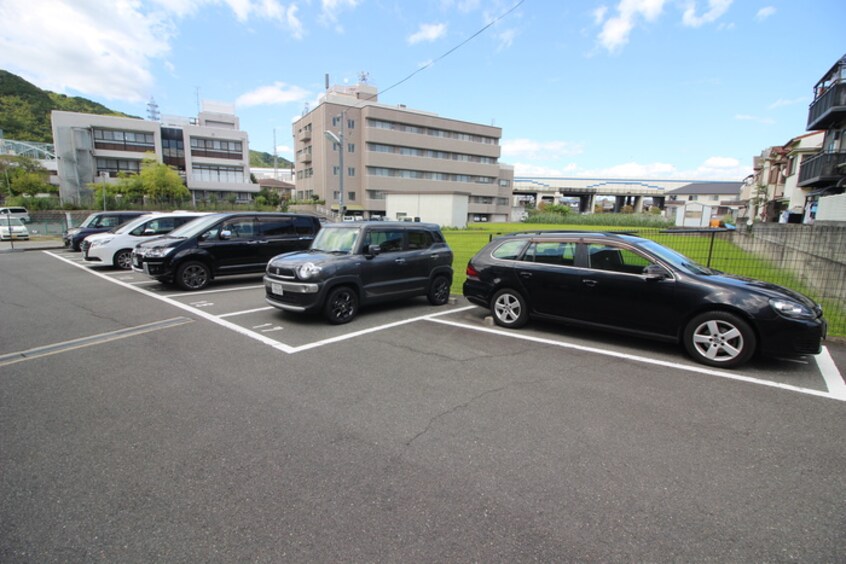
x=341 y=305
x=509 y=309
x=123 y=259
x=719 y=338
x=439 y=290
x=193 y=275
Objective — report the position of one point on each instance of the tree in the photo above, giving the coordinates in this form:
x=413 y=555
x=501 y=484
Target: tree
x=23 y=176
x=161 y=182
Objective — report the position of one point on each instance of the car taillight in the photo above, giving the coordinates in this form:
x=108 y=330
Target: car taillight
x=472 y=272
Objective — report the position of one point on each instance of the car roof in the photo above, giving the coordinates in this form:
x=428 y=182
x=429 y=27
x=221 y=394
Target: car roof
x=392 y=224
x=572 y=234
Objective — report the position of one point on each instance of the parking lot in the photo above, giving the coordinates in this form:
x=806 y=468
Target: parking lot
x=147 y=423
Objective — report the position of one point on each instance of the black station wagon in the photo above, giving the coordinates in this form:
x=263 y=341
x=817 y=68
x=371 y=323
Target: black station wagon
x=359 y=263
x=635 y=285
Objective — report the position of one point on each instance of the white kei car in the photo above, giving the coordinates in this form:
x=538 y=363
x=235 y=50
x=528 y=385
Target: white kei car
x=115 y=248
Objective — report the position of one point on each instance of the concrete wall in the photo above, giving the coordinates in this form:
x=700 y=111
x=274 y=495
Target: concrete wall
x=815 y=254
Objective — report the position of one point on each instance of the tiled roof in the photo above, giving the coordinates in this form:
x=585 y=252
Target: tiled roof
x=715 y=188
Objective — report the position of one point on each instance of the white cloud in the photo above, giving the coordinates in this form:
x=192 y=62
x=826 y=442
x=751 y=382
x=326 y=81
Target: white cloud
x=781 y=102
x=756 y=119
x=599 y=14
x=513 y=149
x=427 y=32
x=107 y=49
x=62 y=46
x=277 y=93
x=765 y=13
x=331 y=10
x=713 y=168
x=616 y=30
x=716 y=8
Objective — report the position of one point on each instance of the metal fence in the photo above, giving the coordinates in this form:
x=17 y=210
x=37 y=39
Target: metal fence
x=810 y=259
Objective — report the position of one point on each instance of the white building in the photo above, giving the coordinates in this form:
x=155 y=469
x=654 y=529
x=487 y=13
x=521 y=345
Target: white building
x=210 y=152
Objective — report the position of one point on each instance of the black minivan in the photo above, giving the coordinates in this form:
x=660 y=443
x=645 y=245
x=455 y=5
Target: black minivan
x=221 y=244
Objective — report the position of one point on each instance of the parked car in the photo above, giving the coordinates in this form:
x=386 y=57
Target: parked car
x=637 y=286
x=360 y=263
x=115 y=247
x=97 y=222
x=18 y=212
x=222 y=244
x=12 y=228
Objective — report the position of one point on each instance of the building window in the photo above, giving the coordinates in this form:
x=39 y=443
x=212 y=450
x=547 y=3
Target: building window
x=115 y=166
x=217 y=148
x=335 y=170
x=118 y=140
x=218 y=173
x=351 y=148
x=351 y=196
x=351 y=171
x=375 y=194
x=350 y=123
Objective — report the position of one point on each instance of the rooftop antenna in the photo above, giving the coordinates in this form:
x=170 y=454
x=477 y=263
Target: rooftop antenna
x=197 y=94
x=363 y=77
x=327 y=81
x=153 y=110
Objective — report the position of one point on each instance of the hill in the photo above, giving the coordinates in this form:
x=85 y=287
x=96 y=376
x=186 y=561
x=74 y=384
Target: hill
x=25 y=109
x=25 y=114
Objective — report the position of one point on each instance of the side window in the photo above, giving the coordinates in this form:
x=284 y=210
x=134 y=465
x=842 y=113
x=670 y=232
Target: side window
x=304 y=225
x=161 y=226
x=180 y=221
x=615 y=259
x=421 y=239
x=110 y=221
x=510 y=250
x=388 y=241
x=552 y=252
x=276 y=226
x=240 y=228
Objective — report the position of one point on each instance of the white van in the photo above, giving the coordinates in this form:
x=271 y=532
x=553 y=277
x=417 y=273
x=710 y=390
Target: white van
x=19 y=213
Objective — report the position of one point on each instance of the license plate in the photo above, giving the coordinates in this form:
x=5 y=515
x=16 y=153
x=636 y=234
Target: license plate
x=276 y=288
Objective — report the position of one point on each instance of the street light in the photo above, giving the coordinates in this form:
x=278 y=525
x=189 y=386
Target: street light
x=339 y=139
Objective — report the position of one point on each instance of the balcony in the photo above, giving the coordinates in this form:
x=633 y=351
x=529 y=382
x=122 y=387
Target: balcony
x=304 y=157
x=304 y=134
x=829 y=108
x=821 y=170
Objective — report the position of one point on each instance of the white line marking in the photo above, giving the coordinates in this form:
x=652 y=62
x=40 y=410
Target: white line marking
x=145 y=283
x=262 y=325
x=375 y=329
x=92 y=340
x=192 y=294
x=234 y=313
x=198 y=312
x=831 y=375
x=272 y=329
x=646 y=360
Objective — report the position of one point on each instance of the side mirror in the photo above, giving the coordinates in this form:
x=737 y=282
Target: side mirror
x=655 y=272
x=225 y=234
x=149 y=231
x=373 y=250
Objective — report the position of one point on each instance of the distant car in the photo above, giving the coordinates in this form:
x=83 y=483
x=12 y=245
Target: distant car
x=222 y=244
x=18 y=212
x=360 y=263
x=12 y=228
x=637 y=286
x=97 y=222
x=115 y=248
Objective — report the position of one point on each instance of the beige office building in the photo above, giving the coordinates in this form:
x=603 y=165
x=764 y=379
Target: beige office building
x=210 y=152
x=399 y=163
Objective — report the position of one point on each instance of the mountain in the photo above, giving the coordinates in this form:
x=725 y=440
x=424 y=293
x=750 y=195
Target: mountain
x=25 y=114
x=25 y=109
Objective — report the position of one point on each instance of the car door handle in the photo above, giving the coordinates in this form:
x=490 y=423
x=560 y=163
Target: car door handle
x=589 y=283
x=400 y=261
x=525 y=275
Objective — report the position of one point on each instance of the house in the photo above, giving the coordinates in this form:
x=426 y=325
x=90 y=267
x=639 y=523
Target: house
x=696 y=204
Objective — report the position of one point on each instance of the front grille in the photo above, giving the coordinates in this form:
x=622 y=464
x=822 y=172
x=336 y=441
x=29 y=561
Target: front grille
x=281 y=272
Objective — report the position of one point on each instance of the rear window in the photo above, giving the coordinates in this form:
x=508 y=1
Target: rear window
x=510 y=250
x=419 y=239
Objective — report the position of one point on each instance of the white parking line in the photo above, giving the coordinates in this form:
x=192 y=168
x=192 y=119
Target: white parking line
x=831 y=394
x=832 y=376
x=204 y=292
x=246 y=311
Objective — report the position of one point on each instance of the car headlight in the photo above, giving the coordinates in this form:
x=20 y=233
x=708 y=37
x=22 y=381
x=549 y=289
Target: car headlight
x=158 y=252
x=73 y=231
x=308 y=270
x=791 y=309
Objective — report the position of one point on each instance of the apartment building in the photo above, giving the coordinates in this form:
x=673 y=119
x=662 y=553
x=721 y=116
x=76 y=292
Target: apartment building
x=210 y=152
x=398 y=162
x=824 y=174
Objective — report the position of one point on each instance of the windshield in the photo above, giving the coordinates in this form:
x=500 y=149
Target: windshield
x=9 y=220
x=336 y=240
x=195 y=227
x=90 y=220
x=676 y=259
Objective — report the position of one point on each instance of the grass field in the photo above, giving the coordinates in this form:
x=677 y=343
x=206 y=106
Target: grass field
x=720 y=254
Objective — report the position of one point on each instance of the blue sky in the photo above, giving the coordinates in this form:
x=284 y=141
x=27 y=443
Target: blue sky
x=661 y=89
